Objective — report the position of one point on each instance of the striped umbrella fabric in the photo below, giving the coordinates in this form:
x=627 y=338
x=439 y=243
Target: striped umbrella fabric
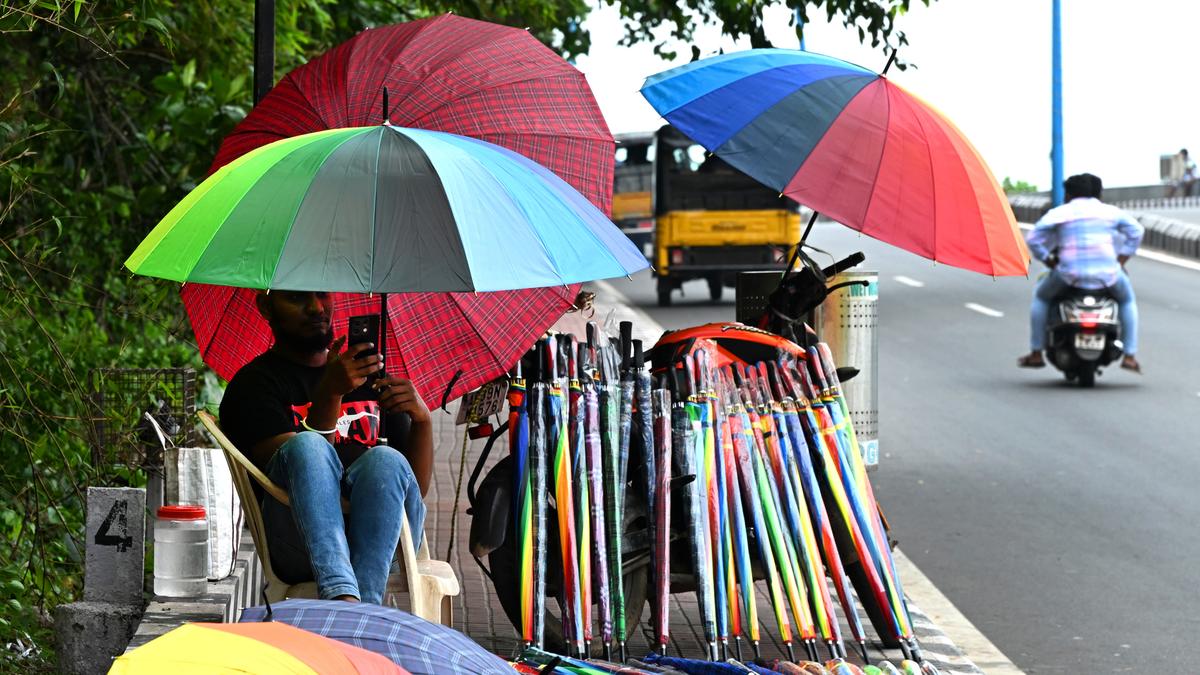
x=446 y=73
x=851 y=144
x=265 y=648
x=428 y=215
x=414 y=644
x=385 y=209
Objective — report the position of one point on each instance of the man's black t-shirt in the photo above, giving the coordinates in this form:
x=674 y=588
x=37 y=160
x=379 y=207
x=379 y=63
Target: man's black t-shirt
x=271 y=395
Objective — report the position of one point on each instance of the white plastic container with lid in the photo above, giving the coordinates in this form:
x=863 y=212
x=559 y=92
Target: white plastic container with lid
x=180 y=551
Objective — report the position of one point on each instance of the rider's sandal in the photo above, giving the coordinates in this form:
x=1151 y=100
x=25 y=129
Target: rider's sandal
x=1031 y=361
x=1131 y=364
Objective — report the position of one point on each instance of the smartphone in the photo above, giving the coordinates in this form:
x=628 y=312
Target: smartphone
x=364 y=328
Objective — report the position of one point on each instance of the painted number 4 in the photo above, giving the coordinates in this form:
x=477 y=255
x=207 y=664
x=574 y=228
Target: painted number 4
x=117 y=522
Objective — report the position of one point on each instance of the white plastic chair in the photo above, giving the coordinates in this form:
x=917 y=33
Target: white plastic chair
x=430 y=583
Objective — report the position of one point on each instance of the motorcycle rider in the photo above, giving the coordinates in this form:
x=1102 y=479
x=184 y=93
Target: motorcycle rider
x=1085 y=243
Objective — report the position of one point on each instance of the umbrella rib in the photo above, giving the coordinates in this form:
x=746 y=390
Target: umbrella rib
x=374 y=212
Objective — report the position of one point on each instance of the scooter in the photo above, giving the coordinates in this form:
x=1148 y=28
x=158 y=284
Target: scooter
x=1083 y=334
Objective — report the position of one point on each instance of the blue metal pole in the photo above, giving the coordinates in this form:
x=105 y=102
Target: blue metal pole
x=1056 y=150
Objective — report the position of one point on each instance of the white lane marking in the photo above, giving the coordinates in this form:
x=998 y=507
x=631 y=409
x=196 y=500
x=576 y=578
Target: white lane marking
x=909 y=281
x=1157 y=256
x=986 y=311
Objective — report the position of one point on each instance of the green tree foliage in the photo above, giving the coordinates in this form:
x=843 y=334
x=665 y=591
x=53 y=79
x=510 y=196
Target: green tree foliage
x=1017 y=187
x=110 y=112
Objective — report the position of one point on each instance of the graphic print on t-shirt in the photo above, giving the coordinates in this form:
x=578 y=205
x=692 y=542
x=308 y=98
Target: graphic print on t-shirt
x=358 y=422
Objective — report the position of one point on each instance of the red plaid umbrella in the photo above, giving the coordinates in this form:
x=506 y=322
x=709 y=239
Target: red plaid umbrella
x=449 y=74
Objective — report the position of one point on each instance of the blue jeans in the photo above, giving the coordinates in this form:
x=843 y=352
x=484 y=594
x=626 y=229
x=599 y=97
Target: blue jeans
x=350 y=554
x=1054 y=286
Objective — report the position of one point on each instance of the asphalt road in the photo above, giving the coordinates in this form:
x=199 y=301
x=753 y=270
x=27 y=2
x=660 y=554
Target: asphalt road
x=1061 y=521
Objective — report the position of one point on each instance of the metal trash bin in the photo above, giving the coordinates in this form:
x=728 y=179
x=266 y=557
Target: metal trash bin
x=847 y=321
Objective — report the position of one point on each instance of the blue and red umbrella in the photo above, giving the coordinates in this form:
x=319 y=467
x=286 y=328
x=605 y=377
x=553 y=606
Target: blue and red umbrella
x=851 y=144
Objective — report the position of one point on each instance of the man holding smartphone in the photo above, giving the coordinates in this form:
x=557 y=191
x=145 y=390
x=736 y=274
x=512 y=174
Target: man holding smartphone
x=308 y=414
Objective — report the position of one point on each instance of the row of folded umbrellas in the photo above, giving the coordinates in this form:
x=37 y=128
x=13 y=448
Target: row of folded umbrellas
x=767 y=466
x=761 y=457
x=465 y=169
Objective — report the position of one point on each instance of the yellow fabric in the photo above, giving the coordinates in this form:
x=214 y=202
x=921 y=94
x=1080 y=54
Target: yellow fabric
x=194 y=650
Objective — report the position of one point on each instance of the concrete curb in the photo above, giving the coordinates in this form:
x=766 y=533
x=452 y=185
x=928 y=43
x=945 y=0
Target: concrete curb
x=1162 y=233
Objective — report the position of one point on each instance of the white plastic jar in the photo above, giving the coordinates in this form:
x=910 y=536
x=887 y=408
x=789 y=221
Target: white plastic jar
x=180 y=551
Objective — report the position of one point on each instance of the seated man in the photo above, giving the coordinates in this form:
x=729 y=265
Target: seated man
x=308 y=417
x=1085 y=243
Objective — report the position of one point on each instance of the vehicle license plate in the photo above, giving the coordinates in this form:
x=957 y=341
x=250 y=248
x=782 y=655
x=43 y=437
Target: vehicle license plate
x=1089 y=341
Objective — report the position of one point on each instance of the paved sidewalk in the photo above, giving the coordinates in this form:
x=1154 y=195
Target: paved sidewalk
x=478 y=613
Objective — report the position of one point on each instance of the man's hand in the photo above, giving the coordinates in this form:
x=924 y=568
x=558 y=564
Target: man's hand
x=398 y=395
x=344 y=372
x=1122 y=259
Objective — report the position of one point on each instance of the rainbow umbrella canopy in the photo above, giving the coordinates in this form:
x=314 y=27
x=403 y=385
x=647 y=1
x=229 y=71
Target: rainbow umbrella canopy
x=250 y=648
x=385 y=209
x=852 y=145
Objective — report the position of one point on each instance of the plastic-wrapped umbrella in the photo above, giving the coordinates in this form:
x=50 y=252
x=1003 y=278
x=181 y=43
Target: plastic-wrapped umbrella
x=861 y=501
x=799 y=519
x=564 y=498
x=693 y=464
x=826 y=465
x=538 y=457
x=712 y=496
x=518 y=448
x=661 y=553
x=739 y=540
x=627 y=389
x=789 y=571
x=643 y=421
x=577 y=408
x=812 y=493
x=835 y=403
x=743 y=444
x=593 y=449
x=610 y=442
x=683 y=439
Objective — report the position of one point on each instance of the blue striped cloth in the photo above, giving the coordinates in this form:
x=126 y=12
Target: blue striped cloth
x=413 y=643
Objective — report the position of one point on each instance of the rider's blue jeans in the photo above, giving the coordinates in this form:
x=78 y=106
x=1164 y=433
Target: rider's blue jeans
x=350 y=554
x=1053 y=286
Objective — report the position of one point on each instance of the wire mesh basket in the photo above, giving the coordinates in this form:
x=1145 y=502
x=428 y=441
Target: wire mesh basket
x=121 y=436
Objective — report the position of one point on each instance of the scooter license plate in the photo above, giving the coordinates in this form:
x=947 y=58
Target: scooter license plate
x=1093 y=341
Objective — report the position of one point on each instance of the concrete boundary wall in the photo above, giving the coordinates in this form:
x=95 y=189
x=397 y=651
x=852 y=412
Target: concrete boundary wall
x=1162 y=233
x=222 y=602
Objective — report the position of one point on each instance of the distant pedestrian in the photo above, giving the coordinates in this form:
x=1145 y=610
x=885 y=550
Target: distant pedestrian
x=1187 y=179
